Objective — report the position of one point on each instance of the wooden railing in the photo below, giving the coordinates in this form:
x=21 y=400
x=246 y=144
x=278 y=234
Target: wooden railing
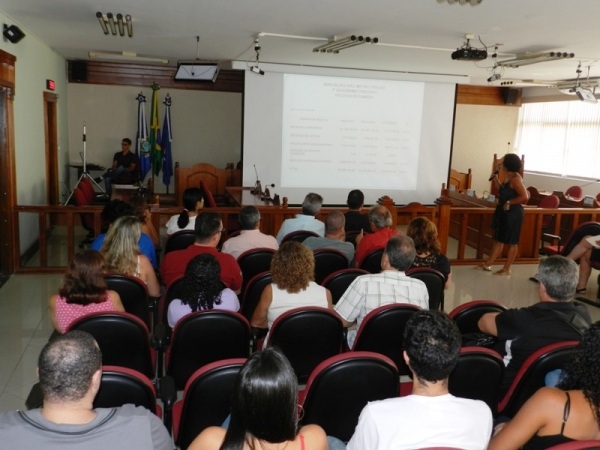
x=468 y=225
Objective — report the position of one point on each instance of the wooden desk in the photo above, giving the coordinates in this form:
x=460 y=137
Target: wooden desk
x=241 y=196
x=123 y=191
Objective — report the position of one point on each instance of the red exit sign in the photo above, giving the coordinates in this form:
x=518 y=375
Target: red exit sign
x=50 y=85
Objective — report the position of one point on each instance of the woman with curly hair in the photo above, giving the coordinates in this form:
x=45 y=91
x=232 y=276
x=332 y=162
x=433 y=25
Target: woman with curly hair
x=427 y=244
x=202 y=290
x=193 y=202
x=83 y=291
x=293 y=270
x=554 y=416
x=264 y=410
x=122 y=253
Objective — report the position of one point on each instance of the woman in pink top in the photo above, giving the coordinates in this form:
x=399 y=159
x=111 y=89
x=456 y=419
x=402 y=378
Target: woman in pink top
x=264 y=411
x=202 y=290
x=83 y=291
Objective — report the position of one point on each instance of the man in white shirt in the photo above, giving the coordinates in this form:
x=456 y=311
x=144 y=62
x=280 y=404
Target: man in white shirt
x=305 y=221
x=250 y=236
x=430 y=416
x=369 y=292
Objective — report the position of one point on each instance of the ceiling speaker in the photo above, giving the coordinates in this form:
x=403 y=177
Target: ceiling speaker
x=13 y=33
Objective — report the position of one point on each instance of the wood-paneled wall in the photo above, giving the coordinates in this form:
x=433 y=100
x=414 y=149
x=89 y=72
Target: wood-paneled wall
x=120 y=74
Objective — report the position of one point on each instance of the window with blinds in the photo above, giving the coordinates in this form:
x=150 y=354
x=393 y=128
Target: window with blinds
x=560 y=138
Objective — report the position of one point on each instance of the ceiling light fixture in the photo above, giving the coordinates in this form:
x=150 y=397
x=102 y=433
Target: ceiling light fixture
x=109 y=21
x=336 y=45
x=126 y=56
x=461 y=2
x=526 y=59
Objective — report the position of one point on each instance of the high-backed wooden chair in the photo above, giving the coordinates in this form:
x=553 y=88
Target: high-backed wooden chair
x=461 y=180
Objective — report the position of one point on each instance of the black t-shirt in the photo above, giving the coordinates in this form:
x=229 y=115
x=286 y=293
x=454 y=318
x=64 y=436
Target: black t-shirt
x=126 y=160
x=436 y=261
x=523 y=331
x=355 y=221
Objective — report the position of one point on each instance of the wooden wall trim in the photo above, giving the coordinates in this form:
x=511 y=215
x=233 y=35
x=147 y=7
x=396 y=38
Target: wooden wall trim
x=483 y=95
x=120 y=74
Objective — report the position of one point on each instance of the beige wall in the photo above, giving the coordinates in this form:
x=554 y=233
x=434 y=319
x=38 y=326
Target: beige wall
x=479 y=132
x=206 y=126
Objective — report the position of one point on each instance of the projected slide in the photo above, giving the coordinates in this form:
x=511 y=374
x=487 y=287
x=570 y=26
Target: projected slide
x=336 y=131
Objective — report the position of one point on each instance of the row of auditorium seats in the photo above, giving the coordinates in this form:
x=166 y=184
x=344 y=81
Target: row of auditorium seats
x=337 y=387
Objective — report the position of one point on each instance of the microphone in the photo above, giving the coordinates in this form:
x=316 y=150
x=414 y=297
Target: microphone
x=495 y=173
x=257 y=187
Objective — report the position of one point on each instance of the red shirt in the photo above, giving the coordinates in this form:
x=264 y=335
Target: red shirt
x=373 y=241
x=174 y=263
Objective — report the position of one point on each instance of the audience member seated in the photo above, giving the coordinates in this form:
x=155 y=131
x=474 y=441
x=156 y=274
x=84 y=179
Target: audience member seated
x=334 y=236
x=83 y=291
x=141 y=210
x=264 y=411
x=111 y=212
x=380 y=220
x=522 y=331
x=208 y=228
x=555 y=416
x=427 y=244
x=202 y=290
x=355 y=220
x=583 y=252
x=193 y=202
x=369 y=292
x=122 y=254
x=250 y=237
x=305 y=221
x=70 y=373
x=431 y=416
x=293 y=270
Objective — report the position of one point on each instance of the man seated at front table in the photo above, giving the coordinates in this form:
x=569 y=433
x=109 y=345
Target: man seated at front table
x=430 y=416
x=70 y=373
x=124 y=168
x=250 y=237
x=380 y=219
x=208 y=230
x=334 y=236
x=369 y=292
x=305 y=221
x=521 y=332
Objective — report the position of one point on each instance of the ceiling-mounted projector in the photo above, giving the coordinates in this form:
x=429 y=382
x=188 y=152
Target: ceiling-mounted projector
x=197 y=71
x=469 y=54
x=585 y=95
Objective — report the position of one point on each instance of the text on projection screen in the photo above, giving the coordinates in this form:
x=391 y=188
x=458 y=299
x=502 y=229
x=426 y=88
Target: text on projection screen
x=340 y=130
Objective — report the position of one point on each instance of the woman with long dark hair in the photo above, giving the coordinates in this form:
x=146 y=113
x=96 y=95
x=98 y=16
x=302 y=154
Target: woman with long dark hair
x=193 y=202
x=202 y=290
x=427 y=244
x=83 y=291
x=264 y=411
x=555 y=416
x=509 y=215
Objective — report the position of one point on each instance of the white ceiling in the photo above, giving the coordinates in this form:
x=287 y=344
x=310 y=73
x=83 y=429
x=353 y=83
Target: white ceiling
x=168 y=29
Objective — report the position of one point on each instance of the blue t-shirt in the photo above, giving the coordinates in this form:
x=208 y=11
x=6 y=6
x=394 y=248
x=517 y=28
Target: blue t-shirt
x=145 y=244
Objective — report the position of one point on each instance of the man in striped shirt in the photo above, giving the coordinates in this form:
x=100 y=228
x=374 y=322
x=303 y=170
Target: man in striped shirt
x=369 y=292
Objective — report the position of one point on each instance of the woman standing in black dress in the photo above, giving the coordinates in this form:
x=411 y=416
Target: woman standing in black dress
x=508 y=217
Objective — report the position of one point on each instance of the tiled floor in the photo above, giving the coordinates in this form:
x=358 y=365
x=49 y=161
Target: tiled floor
x=25 y=326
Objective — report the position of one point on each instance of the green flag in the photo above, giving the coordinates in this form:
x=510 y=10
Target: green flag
x=155 y=148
